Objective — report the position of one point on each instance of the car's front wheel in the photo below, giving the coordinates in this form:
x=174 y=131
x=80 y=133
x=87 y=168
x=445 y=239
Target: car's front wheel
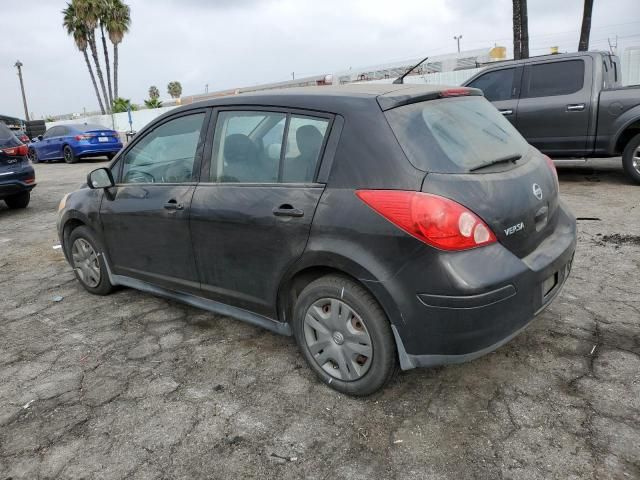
x=87 y=259
x=631 y=159
x=344 y=336
x=69 y=156
x=19 y=200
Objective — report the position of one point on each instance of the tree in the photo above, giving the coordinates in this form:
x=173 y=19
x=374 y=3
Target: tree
x=583 y=46
x=77 y=29
x=84 y=17
x=117 y=23
x=154 y=93
x=174 y=89
x=153 y=103
x=89 y=12
x=123 y=104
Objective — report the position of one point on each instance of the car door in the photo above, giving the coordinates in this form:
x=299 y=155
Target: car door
x=554 y=107
x=45 y=146
x=251 y=215
x=145 y=217
x=502 y=88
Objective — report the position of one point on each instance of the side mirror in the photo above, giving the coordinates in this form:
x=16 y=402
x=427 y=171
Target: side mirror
x=100 y=178
x=39 y=137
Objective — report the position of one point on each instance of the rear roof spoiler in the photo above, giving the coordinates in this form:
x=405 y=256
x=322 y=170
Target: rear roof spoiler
x=406 y=96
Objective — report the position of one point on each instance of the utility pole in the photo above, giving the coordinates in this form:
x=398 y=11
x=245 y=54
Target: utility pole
x=457 y=39
x=206 y=88
x=18 y=65
x=293 y=75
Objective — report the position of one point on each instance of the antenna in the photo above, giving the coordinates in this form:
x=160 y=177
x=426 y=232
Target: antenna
x=400 y=79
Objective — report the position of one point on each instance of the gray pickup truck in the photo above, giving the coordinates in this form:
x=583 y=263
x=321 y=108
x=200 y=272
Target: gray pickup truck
x=568 y=105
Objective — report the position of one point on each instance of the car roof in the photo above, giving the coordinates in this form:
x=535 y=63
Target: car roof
x=336 y=99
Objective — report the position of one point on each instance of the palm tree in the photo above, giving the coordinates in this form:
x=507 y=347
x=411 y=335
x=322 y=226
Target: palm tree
x=174 y=89
x=117 y=23
x=89 y=12
x=154 y=93
x=122 y=105
x=77 y=29
x=583 y=46
x=153 y=103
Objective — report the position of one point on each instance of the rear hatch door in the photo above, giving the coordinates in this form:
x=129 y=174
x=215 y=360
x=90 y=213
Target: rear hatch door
x=476 y=158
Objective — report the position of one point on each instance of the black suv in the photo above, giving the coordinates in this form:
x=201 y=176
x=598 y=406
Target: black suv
x=17 y=177
x=380 y=225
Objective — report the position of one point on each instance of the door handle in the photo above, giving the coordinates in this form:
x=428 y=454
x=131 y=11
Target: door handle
x=173 y=205
x=575 y=107
x=287 y=210
x=506 y=112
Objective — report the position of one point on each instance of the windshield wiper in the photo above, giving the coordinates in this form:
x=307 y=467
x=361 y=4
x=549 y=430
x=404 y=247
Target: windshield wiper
x=507 y=159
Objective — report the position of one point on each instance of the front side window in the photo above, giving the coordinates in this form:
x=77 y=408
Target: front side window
x=496 y=85
x=166 y=154
x=555 y=78
x=249 y=147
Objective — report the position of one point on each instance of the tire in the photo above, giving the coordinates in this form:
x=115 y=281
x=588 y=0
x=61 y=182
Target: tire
x=93 y=258
x=631 y=159
x=19 y=200
x=33 y=155
x=68 y=154
x=358 y=355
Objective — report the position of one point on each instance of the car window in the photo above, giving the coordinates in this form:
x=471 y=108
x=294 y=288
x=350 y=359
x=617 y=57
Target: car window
x=454 y=135
x=5 y=133
x=52 y=132
x=166 y=154
x=304 y=141
x=496 y=85
x=555 y=78
x=247 y=147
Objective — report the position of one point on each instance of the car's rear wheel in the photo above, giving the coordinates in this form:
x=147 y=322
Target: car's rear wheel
x=33 y=155
x=69 y=156
x=345 y=336
x=631 y=159
x=87 y=260
x=19 y=200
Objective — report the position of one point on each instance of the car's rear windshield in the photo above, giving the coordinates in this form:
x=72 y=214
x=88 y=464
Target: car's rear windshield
x=455 y=135
x=5 y=133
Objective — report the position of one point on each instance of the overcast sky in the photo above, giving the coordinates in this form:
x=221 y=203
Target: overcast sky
x=232 y=43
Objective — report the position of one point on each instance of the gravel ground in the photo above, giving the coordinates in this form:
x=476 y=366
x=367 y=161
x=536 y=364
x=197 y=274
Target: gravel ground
x=132 y=386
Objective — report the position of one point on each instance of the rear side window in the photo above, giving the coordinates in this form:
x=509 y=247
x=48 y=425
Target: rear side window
x=454 y=135
x=555 y=78
x=250 y=147
x=5 y=133
x=496 y=85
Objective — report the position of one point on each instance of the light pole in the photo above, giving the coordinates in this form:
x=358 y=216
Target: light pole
x=18 y=65
x=457 y=39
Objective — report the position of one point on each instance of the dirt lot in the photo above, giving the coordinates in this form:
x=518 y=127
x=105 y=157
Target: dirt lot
x=132 y=386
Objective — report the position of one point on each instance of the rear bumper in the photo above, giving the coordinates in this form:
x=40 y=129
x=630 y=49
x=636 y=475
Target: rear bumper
x=15 y=181
x=489 y=296
x=97 y=149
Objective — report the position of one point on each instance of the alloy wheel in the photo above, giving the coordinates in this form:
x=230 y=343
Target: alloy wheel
x=338 y=339
x=636 y=160
x=68 y=155
x=86 y=262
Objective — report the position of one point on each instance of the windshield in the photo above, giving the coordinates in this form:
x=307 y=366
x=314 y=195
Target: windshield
x=455 y=135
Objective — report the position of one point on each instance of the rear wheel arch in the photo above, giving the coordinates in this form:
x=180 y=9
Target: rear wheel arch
x=627 y=134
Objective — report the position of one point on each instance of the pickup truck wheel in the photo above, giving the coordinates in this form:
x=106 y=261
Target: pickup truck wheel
x=631 y=159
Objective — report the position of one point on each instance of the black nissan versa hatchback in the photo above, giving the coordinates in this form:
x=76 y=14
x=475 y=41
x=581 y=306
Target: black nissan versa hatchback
x=380 y=225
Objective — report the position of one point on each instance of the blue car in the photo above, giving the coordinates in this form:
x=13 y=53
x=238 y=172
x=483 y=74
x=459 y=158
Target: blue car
x=72 y=142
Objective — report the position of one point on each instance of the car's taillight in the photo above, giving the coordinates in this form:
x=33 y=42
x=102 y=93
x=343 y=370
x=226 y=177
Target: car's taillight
x=19 y=151
x=552 y=166
x=435 y=220
x=83 y=137
x=23 y=138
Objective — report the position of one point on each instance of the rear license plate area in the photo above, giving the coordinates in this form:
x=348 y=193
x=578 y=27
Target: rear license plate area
x=103 y=139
